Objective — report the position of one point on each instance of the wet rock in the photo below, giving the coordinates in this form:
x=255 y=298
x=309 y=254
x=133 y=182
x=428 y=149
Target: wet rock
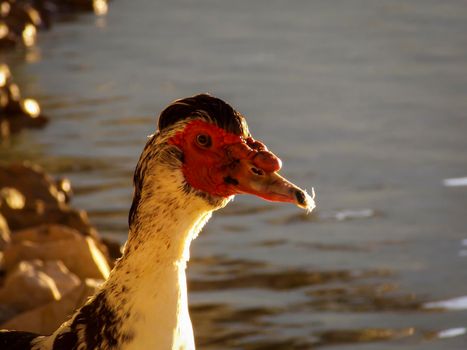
x=16 y=112
x=21 y=20
x=47 y=318
x=80 y=254
x=44 y=200
x=19 y=23
x=64 y=186
x=7 y=40
x=18 y=17
x=4 y=233
x=28 y=198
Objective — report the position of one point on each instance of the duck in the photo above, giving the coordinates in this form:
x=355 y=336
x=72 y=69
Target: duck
x=201 y=155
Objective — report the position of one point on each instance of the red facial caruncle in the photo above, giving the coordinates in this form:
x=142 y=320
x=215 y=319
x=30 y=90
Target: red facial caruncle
x=224 y=164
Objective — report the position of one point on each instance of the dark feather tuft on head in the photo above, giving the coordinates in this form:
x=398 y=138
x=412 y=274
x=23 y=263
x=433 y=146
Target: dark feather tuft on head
x=214 y=108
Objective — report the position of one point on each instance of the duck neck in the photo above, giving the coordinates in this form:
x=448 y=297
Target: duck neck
x=143 y=304
x=148 y=285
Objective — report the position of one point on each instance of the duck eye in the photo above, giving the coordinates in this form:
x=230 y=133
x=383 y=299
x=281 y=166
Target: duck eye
x=203 y=140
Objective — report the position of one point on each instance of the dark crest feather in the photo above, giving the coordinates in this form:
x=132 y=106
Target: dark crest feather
x=218 y=111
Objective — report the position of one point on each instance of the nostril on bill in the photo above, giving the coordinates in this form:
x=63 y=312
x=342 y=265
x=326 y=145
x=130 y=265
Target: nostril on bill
x=301 y=199
x=257 y=171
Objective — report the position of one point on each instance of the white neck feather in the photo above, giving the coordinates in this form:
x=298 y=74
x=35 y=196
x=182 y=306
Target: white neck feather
x=153 y=273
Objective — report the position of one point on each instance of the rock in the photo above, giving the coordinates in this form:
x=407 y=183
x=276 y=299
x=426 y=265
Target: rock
x=12 y=198
x=39 y=214
x=28 y=286
x=4 y=233
x=30 y=197
x=64 y=280
x=80 y=254
x=7 y=312
x=32 y=181
x=47 y=318
x=16 y=112
x=64 y=186
x=18 y=15
x=7 y=41
x=45 y=233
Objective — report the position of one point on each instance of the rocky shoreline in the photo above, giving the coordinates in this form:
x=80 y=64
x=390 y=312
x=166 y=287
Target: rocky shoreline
x=20 y=21
x=16 y=112
x=51 y=257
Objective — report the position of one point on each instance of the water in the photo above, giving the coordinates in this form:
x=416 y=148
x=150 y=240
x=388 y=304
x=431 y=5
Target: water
x=364 y=100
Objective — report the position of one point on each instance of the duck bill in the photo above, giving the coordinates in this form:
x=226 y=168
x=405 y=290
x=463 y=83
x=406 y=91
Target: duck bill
x=272 y=187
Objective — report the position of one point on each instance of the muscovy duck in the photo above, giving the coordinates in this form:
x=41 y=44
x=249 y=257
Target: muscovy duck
x=200 y=157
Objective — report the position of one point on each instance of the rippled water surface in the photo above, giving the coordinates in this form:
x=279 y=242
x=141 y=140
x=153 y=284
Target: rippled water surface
x=364 y=100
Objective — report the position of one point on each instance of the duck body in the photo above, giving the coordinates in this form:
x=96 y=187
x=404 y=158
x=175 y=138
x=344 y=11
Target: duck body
x=16 y=340
x=193 y=165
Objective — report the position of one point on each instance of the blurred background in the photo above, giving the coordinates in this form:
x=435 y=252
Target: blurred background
x=366 y=101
